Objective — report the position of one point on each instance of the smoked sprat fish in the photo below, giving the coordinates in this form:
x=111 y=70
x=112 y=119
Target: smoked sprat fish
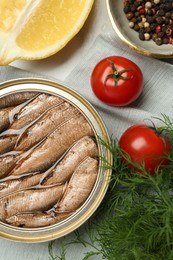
x=30 y=200
x=7 y=143
x=48 y=159
x=48 y=152
x=45 y=125
x=9 y=185
x=34 y=109
x=79 y=186
x=7 y=162
x=4 y=118
x=16 y=99
x=63 y=171
x=37 y=219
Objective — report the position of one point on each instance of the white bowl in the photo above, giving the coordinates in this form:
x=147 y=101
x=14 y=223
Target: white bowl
x=130 y=37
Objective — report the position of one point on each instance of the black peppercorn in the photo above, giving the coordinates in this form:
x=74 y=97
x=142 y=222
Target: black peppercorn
x=150 y=19
x=139 y=19
x=126 y=9
x=133 y=8
x=159 y=20
x=137 y=14
x=168 y=15
x=168 y=6
x=136 y=27
x=154 y=36
x=161 y=12
x=136 y=3
x=141 y=36
x=153 y=26
x=158 y=41
x=160 y=34
x=165 y=41
x=149 y=12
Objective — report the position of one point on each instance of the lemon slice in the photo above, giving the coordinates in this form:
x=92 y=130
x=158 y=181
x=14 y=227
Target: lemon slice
x=36 y=29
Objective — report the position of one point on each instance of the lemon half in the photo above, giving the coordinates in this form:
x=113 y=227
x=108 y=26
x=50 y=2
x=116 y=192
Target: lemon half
x=36 y=29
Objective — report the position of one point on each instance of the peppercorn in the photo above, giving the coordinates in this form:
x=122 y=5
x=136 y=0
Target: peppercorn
x=126 y=9
x=154 y=36
x=152 y=19
x=136 y=27
x=156 y=2
x=149 y=12
x=170 y=40
x=137 y=14
x=149 y=19
x=153 y=26
x=160 y=34
x=166 y=21
x=141 y=36
x=158 y=41
x=159 y=20
x=161 y=12
x=146 y=24
x=148 y=5
x=131 y=24
x=158 y=28
x=148 y=29
x=169 y=31
x=147 y=36
x=168 y=6
x=165 y=41
x=133 y=8
x=129 y=15
x=168 y=15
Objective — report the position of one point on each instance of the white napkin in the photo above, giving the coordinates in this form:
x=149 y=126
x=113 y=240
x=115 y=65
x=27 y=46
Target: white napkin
x=156 y=98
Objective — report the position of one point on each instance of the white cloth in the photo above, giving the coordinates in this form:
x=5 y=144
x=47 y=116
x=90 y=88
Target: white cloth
x=156 y=98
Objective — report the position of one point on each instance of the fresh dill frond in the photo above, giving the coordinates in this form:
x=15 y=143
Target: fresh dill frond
x=167 y=125
x=62 y=251
x=50 y=250
x=138 y=223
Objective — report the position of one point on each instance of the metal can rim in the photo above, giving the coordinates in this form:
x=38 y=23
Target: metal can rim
x=99 y=191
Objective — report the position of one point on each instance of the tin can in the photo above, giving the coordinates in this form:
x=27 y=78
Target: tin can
x=95 y=198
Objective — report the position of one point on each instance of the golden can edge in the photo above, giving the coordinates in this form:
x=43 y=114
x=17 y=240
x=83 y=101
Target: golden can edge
x=29 y=235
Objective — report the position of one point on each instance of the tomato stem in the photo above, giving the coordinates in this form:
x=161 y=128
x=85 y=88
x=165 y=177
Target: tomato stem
x=116 y=75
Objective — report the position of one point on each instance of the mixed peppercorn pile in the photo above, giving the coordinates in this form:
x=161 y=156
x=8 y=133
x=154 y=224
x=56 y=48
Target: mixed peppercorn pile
x=151 y=19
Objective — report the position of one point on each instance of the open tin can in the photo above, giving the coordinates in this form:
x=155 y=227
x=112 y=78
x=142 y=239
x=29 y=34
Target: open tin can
x=84 y=212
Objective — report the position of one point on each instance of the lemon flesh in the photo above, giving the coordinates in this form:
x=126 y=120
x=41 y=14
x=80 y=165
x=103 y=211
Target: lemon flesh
x=32 y=29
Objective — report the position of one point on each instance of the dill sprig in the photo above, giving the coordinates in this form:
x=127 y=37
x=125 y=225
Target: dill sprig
x=135 y=219
x=62 y=253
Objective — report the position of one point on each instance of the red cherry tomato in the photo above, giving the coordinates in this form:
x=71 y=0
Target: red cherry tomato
x=117 y=81
x=145 y=146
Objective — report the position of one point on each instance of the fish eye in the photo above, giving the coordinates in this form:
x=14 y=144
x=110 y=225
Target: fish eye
x=15 y=116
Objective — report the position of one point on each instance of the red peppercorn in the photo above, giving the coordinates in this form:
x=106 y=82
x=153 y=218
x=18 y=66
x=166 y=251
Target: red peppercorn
x=158 y=28
x=170 y=40
x=142 y=10
x=129 y=15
